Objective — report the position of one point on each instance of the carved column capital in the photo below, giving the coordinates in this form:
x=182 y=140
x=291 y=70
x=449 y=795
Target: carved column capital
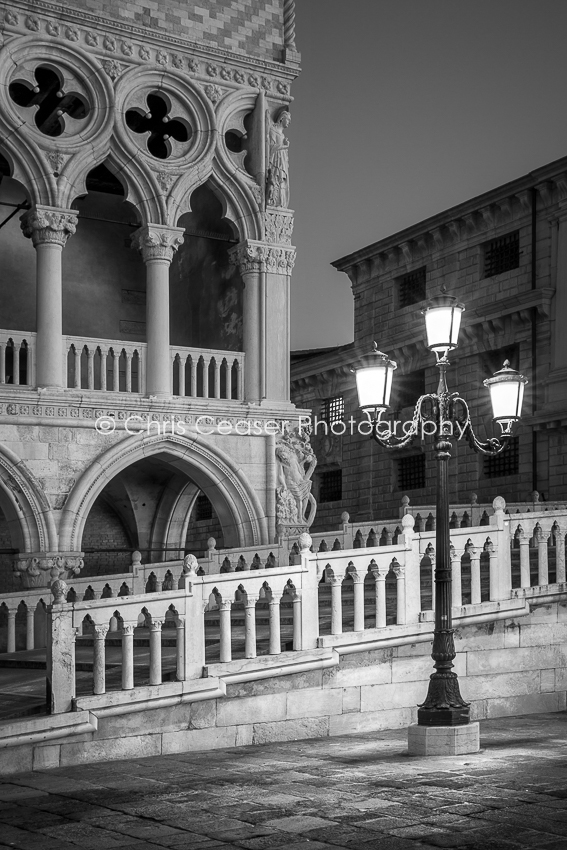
x=251 y=256
x=100 y=632
x=157 y=242
x=44 y=224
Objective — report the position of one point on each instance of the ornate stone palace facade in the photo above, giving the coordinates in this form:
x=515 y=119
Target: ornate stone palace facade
x=504 y=255
x=146 y=258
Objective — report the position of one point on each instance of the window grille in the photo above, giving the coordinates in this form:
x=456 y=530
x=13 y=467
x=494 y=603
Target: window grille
x=506 y=463
x=501 y=255
x=333 y=409
x=203 y=508
x=331 y=486
x=411 y=288
x=411 y=472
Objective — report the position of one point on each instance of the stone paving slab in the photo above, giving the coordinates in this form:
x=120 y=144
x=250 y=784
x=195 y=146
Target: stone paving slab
x=361 y=792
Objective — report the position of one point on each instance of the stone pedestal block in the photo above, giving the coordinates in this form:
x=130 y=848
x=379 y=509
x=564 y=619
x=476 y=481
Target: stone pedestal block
x=443 y=740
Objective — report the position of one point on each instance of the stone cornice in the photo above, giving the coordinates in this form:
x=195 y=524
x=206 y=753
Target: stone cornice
x=506 y=205
x=97 y=34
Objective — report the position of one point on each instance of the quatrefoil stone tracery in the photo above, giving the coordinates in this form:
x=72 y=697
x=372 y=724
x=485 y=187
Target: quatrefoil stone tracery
x=159 y=124
x=51 y=100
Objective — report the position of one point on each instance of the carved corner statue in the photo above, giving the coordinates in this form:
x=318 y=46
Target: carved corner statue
x=277 y=180
x=295 y=506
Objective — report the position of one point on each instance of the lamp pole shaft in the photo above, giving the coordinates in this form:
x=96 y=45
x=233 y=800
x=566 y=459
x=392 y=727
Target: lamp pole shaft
x=443 y=705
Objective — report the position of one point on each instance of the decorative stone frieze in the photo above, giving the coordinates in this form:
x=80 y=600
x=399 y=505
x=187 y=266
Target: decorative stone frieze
x=296 y=462
x=112 y=68
x=121 y=39
x=157 y=243
x=214 y=93
x=48 y=224
x=41 y=569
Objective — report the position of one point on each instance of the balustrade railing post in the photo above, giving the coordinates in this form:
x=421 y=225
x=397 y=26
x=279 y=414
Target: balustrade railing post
x=128 y=656
x=30 y=644
x=475 y=577
x=128 y=372
x=411 y=569
x=525 y=577
x=115 y=371
x=297 y=636
x=500 y=531
x=542 y=558
x=560 y=554
x=77 y=375
x=60 y=656
x=180 y=649
x=16 y=363
x=457 y=599
x=399 y=572
x=181 y=375
x=11 y=630
x=2 y=363
x=274 y=622
x=336 y=605
x=358 y=587
x=250 y=627
x=99 y=659
x=155 y=651
x=90 y=369
x=217 y=377
x=206 y=362
x=306 y=608
x=379 y=574
x=193 y=377
x=103 y=356
x=226 y=630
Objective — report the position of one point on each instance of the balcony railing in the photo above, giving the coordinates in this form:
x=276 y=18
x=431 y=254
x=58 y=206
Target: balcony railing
x=119 y=366
x=17 y=358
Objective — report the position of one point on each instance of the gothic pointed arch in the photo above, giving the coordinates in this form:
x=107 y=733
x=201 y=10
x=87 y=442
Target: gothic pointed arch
x=25 y=506
x=232 y=495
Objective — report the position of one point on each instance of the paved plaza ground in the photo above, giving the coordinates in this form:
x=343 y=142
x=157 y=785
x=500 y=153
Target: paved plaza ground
x=360 y=791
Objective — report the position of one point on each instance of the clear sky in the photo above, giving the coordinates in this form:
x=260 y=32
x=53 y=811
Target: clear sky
x=405 y=108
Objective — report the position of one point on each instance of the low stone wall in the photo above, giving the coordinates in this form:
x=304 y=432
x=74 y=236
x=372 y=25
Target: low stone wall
x=512 y=666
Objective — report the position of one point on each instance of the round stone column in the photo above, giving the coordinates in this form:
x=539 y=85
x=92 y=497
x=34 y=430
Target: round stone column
x=49 y=228
x=157 y=245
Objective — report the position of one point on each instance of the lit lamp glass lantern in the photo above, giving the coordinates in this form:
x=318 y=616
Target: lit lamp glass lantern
x=442 y=323
x=374 y=382
x=506 y=394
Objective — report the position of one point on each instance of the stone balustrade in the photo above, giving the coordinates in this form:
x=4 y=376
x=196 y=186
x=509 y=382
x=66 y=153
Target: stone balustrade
x=104 y=365
x=206 y=373
x=17 y=358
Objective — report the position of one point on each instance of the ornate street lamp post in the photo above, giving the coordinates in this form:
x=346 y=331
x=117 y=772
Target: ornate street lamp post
x=443 y=705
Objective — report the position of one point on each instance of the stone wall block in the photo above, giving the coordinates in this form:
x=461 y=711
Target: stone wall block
x=253 y=709
x=111 y=749
x=203 y=714
x=511 y=660
x=291 y=730
x=399 y=695
x=372 y=721
x=166 y=719
x=194 y=740
x=314 y=703
x=525 y=704
x=351 y=700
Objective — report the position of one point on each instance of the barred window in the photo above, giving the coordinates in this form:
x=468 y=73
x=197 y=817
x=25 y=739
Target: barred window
x=506 y=463
x=411 y=288
x=502 y=254
x=203 y=508
x=333 y=409
x=411 y=472
x=331 y=486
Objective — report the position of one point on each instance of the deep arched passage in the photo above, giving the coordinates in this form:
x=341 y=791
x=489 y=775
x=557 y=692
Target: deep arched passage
x=208 y=467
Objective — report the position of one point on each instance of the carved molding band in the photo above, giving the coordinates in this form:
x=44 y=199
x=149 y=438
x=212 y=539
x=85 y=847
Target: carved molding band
x=48 y=224
x=155 y=242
